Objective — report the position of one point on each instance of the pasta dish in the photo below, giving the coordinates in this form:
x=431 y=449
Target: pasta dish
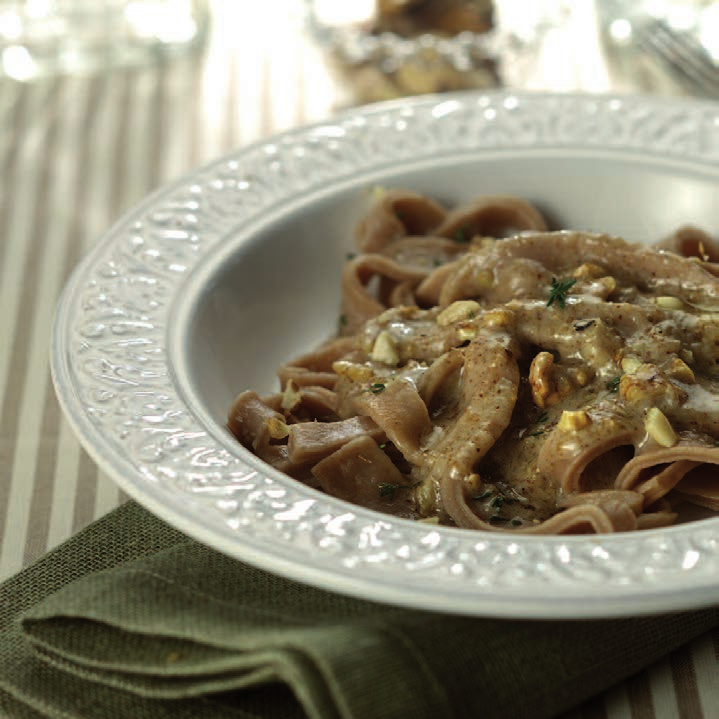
x=491 y=374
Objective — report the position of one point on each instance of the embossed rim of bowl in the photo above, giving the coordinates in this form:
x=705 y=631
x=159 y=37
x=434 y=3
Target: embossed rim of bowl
x=238 y=505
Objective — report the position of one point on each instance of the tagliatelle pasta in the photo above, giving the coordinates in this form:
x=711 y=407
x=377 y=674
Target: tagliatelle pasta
x=491 y=374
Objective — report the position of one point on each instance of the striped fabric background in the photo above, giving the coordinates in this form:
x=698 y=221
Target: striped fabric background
x=75 y=153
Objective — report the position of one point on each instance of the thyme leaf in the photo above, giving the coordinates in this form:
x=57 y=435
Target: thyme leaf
x=376 y=387
x=387 y=489
x=461 y=236
x=613 y=384
x=558 y=291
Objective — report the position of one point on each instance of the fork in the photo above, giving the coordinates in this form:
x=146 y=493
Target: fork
x=680 y=53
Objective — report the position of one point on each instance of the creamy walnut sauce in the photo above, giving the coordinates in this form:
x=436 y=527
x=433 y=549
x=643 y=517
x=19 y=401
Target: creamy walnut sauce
x=490 y=374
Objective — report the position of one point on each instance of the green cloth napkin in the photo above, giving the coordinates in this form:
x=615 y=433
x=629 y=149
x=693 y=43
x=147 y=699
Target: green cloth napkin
x=130 y=618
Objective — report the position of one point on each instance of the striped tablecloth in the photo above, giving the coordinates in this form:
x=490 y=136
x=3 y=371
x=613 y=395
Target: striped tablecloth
x=75 y=153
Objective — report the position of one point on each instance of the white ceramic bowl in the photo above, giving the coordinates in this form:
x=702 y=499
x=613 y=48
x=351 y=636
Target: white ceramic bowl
x=204 y=289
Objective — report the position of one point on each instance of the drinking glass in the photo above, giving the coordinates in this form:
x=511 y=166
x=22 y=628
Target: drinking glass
x=44 y=37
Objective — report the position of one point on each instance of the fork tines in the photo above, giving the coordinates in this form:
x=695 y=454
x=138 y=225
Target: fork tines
x=681 y=53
